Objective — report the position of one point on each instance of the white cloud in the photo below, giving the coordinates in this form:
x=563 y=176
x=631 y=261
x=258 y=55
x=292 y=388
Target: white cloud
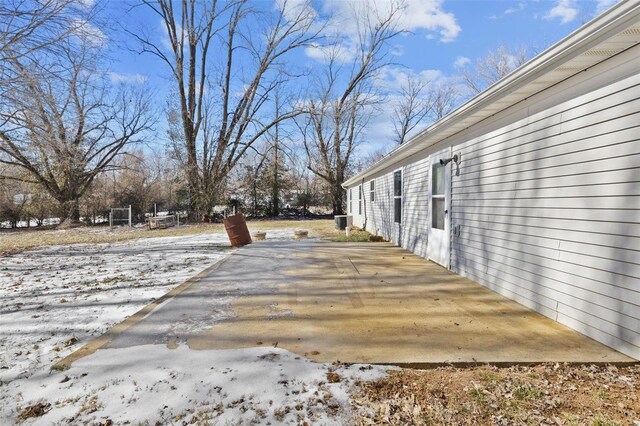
x=397 y=50
x=510 y=10
x=519 y=7
x=295 y=9
x=127 y=78
x=565 y=10
x=86 y=4
x=461 y=61
x=164 y=38
x=416 y=15
x=603 y=5
x=393 y=78
x=340 y=53
x=89 y=33
x=429 y=15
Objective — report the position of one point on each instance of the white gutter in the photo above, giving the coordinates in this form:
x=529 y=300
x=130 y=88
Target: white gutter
x=610 y=23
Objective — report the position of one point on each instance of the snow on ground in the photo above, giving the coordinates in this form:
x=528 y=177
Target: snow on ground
x=151 y=384
x=55 y=299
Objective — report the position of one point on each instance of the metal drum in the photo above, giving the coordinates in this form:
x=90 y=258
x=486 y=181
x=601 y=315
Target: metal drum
x=237 y=230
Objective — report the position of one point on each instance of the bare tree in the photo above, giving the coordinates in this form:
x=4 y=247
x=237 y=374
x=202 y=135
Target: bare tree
x=413 y=106
x=29 y=25
x=444 y=97
x=224 y=71
x=337 y=113
x=492 y=67
x=371 y=158
x=63 y=125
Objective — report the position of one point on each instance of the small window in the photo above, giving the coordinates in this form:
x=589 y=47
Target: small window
x=397 y=184
x=397 y=196
x=437 y=196
x=350 y=200
x=372 y=191
x=437 y=182
x=360 y=199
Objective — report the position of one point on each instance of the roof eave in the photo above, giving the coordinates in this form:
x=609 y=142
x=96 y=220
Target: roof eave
x=608 y=24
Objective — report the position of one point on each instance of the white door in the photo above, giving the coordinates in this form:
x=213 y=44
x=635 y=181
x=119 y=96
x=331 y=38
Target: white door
x=439 y=206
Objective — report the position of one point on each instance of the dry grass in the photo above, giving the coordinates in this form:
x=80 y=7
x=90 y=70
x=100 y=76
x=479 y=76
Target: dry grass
x=356 y=236
x=15 y=241
x=318 y=228
x=549 y=394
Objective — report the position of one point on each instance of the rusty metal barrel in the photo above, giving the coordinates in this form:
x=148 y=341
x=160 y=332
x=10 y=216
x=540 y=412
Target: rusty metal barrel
x=237 y=230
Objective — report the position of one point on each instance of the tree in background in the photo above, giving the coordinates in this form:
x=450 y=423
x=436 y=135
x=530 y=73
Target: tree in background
x=30 y=26
x=420 y=100
x=22 y=202
x=225 y=68
x=492 y=67
x=413 y=106
x=251 y=186
x=63 y=124
x=444 y=97
x=341 y=101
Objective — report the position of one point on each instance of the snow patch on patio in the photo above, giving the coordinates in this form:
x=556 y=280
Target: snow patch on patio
x=56 y=298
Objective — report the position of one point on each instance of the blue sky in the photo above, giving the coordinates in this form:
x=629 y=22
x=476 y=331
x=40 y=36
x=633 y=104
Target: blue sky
x=443 y=36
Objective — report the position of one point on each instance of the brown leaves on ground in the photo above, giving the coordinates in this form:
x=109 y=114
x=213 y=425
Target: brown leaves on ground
x=549 y=394
x=333 y=377
x=36 y=410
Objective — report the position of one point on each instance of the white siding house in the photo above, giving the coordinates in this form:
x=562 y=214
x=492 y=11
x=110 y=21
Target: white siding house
x=541 y=199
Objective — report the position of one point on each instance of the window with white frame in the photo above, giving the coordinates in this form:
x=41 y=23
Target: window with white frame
x=438 y=196
x=372 y=190
x=397 y=196
x=360 y=199
x=350 y=201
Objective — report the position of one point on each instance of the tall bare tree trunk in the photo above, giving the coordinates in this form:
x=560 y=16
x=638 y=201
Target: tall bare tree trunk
x=337 y=113
x=275 y=185
x=218 y=121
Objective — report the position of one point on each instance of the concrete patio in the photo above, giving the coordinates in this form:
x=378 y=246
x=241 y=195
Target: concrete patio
x=352 y=302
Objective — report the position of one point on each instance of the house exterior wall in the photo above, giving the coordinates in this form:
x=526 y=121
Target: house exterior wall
x=549 y=209
x=547 y=195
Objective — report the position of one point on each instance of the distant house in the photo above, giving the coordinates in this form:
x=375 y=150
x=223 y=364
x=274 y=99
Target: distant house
x=532 y=188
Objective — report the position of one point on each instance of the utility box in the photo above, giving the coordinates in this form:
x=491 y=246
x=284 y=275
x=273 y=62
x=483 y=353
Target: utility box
x=343 y=220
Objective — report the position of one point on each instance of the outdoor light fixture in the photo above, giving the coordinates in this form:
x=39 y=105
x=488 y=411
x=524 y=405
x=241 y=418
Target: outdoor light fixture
x=445 y=161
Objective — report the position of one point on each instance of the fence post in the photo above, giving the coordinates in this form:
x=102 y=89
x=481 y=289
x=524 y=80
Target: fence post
x=129 y=215
x=111 y=219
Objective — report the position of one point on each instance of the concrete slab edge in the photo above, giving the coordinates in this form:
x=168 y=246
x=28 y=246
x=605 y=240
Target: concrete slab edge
x=498 y=364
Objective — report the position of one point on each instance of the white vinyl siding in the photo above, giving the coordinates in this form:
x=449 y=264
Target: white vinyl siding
x=415 y=214
x=411 y=233
x=549 y=208
x=380 y=212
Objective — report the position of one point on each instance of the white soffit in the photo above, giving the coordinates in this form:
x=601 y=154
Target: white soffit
x=611 y=33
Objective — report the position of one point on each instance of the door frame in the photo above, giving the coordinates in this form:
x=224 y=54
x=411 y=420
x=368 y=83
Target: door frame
x=439 y=241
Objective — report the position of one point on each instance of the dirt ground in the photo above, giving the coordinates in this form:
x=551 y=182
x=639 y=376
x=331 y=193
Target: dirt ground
x=547 y=394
